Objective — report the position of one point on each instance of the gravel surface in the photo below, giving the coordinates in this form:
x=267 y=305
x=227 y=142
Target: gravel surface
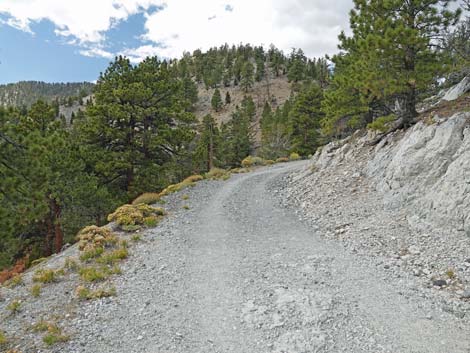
x=237 y=271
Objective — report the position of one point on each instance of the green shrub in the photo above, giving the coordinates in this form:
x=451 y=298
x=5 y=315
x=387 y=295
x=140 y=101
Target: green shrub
x=91 y=254
x=3 y=338
x=113 y=257
x=93 y=274
x=15 y=306
x=294 y=156
x=53 y=338
x=382 y=124
x=36 y=290
x=136 y=238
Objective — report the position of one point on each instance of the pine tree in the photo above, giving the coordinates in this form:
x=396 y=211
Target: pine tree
x=216 y=100
x=395 y=44
x=228 y=98
x=247 y=76
x=297 y=65
x=207 y=144
x=138 y=127
x=305 y=117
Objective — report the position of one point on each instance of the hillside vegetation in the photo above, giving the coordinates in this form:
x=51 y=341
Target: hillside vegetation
x=25 y=93
x=153 y=124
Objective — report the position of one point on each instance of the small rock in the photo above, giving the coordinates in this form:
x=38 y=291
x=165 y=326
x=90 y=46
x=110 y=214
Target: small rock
x=439 y=283
x=465 y=295
x=414 y=250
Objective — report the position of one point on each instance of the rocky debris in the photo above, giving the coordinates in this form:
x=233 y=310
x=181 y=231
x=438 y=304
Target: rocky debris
x=402 y=205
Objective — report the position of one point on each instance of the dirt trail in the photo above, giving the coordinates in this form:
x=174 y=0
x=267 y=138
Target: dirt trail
x=239 y=273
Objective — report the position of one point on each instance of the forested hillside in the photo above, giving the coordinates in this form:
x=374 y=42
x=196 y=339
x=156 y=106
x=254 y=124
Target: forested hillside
x=25 y=93
x=153 y=124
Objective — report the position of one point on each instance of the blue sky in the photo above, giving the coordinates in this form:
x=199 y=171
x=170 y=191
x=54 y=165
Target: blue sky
x=74 y=40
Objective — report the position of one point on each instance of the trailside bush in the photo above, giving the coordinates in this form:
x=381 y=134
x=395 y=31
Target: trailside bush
x=294 y=156
x=282 y=160
x=251 y=161
x=147 y=198
x=193 y=179
x=93 y=237
x=132 y=217
x=218 y=174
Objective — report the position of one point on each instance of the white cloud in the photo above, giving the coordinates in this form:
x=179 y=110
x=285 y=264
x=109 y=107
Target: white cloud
x=136 y=55
x=86 y=20
x=96 y=53
x=184 y=25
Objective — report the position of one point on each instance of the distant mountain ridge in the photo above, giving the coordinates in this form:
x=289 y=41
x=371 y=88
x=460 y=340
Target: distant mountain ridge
x=25 y=93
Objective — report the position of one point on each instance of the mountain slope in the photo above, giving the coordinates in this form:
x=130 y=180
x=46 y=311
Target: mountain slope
x=25 y=93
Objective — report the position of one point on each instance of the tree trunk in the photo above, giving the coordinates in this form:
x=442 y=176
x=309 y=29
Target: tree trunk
x=58 y=234
x=410 y=107
x=49 y=237
x=210 y=154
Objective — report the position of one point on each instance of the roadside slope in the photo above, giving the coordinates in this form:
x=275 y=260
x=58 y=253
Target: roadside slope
x=238 y=272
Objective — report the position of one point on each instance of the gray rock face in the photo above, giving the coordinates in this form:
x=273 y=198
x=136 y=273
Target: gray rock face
x=428 y=172
x=458 y=90
x=424 y=171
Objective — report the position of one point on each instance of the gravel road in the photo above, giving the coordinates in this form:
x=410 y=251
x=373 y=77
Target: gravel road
x=237 y=272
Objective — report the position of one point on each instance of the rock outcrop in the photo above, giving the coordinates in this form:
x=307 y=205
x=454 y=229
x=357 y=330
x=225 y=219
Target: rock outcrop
x=425 y=170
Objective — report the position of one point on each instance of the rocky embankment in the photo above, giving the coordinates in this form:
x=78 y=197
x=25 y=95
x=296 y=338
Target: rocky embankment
x=404 y=204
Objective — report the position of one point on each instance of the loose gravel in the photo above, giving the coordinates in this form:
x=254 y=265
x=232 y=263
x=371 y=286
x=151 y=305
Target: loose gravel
x=238 y=271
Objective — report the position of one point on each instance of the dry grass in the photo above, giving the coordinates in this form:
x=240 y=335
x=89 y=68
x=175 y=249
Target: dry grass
x=36 y=290
x=84 y=293
x=218 y=174
x=45 y=276
x=282 y=160
x=251 y=161
x=148 y=198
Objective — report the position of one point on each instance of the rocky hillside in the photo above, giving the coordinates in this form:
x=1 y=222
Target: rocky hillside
x=275 y=91
x=26 y=93
x=402 y=203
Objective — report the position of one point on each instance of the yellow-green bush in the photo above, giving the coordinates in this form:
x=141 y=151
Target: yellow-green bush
x=218 y=174
x=193 y=178
x=93 y=237
x=282 y=160
x=45 y=276
x=3 y=338
x=147 y=198
x=239 y=170
x=251 y=161
x=84 y=293
x=294 y=156
x=36 y=290
x=15 y=306
x=382 y=124
x=270 y=162
x=132 y=217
